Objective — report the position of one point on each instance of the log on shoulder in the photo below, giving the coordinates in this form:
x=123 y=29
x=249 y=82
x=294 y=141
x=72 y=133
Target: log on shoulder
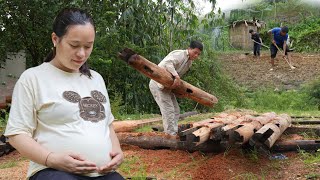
x=163 y=77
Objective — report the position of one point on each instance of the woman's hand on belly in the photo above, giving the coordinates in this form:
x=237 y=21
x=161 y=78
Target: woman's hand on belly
x=116 y=160
x=70 y=162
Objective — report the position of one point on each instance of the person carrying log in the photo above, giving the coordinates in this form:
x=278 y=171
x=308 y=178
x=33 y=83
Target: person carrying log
x=279 y=37
x=177 y=63
x=257 y=41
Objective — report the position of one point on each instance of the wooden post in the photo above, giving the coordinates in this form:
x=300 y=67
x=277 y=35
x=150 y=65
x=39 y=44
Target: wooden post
x=270 y=132
x=244 y=133
x=163 y=77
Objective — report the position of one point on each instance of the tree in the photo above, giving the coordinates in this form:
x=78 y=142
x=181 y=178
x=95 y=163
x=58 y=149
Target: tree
x=144 y=25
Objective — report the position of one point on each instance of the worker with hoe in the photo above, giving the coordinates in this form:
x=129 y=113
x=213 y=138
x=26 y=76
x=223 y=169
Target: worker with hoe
x=279 y=37
x=177 y=63
x=257 y=41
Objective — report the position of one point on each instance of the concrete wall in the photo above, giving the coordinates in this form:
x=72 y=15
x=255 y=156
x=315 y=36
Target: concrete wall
x=14 y=66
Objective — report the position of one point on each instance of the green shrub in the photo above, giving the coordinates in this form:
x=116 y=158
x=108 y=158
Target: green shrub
x=282 y=101
x=313 y=90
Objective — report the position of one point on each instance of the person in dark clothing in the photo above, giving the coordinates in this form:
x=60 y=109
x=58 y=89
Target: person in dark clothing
x=257 y=41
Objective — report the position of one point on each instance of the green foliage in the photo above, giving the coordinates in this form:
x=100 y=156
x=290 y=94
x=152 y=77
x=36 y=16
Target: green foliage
x=313 y=90
x=3 y=120
x=280 y=101
x=117 y=105
x=27 y=25
x=307 y=34
x=8 y=164
x=310 y=158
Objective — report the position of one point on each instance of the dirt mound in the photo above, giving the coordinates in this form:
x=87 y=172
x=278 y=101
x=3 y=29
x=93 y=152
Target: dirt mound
x=255 y=73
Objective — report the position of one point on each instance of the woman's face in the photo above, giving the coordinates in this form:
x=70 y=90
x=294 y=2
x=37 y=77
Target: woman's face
x=74 y=48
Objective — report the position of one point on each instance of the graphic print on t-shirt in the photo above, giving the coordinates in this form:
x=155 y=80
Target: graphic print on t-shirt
x=91 y=108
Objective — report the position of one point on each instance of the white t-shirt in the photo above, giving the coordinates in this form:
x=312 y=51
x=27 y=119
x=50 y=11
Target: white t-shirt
x=63 y=112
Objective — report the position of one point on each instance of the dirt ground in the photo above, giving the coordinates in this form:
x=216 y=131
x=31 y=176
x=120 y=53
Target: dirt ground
x=182 y=165
x=233 y=163
x=255 y=73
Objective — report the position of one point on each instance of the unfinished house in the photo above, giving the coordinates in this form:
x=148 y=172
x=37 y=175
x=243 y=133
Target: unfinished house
x=239 y=33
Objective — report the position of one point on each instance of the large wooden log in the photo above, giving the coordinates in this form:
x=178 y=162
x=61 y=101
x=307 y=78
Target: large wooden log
x=163 y=77
x=270 y=132
x=244 y=133
x=131 y=125
x=128 y=126
x=302 y=122
x=202 y=135
x=160 y=141
x=5 y=147
x=150 y=141
x=266 y=117
x=296 y=145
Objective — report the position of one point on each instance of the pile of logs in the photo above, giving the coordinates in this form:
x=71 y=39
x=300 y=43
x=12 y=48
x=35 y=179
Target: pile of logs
x=239 y=129
x=5 y=147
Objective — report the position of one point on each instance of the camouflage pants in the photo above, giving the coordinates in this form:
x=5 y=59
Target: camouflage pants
x=169 y=107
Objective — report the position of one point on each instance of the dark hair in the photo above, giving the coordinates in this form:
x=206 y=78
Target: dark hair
x=285 y=29
x=65 y=18
x=251 y=30
x=196 y=44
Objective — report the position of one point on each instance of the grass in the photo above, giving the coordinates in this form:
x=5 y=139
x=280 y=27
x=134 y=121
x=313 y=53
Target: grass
x=9 y=164
x=294 y=102
x=133 y=168
x=310 y=158
x=136 y=116
x=313 y=176
x=309 y=135
x=180 y=171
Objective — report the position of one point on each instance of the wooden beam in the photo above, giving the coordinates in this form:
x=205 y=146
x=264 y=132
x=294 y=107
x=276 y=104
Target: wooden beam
x=202 y=135
x=296 y=145
x=128 y=126
x=148 y=141
x=163 y=77
x=302 y=122
x=299 y=129
x=270 y=132
x=161 y=141
x=244 y=133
